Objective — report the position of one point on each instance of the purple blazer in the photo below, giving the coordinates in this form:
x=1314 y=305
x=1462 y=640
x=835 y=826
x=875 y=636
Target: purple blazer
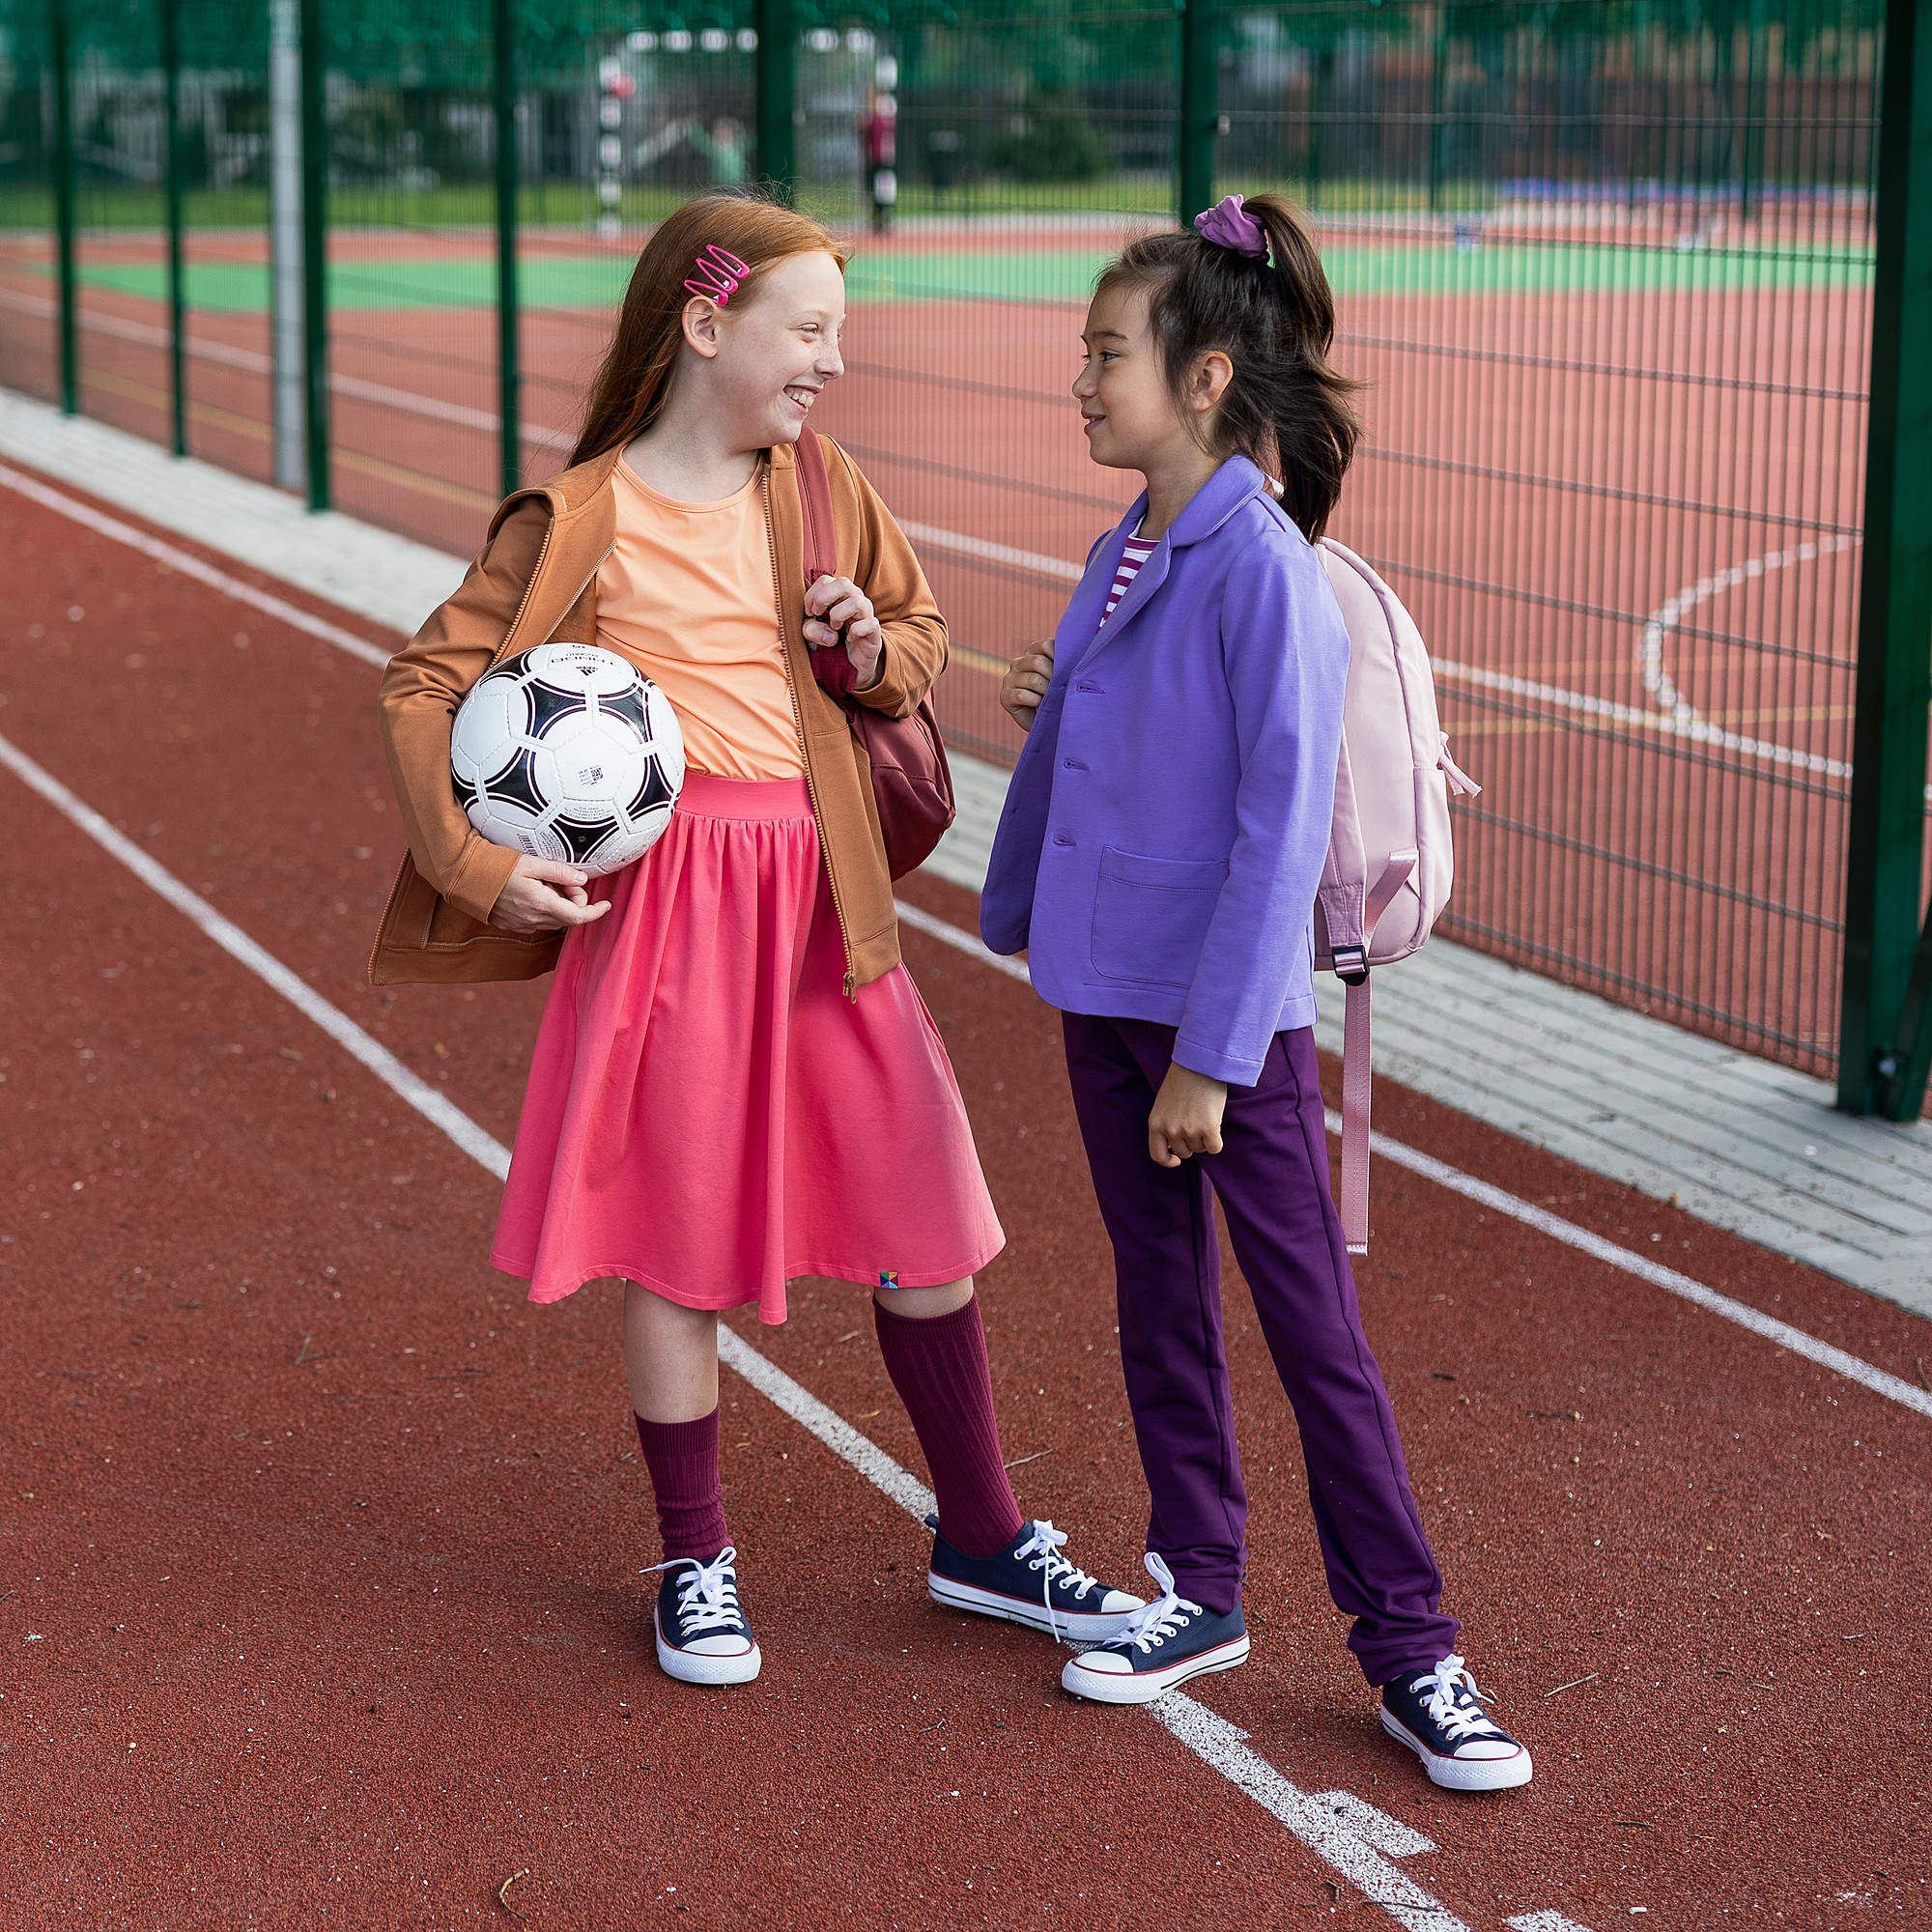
x=1166 y=825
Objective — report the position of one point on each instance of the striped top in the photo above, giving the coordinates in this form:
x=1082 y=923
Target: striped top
x=1139 y=549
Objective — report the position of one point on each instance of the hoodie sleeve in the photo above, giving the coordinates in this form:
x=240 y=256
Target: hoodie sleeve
x=1285 y=651
x=423 y=687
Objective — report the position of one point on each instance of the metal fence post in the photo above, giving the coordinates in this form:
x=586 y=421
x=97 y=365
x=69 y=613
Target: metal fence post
x=510 y=364
x=285 y=232
x=315 y=252
x=170 y=24
x=1750 y=144
x=61 y=52
x=776 y=88
x=1888 y=949
x=1438 y=90
x=1199 y=109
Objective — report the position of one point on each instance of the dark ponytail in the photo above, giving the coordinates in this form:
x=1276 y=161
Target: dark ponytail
x=1287 y=408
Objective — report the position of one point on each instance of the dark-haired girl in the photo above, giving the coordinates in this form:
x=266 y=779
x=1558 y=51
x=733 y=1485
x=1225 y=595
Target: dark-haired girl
x=735 y=1081
x=1158 y=855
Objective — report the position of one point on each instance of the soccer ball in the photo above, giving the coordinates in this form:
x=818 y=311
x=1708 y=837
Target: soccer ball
x=568 y=752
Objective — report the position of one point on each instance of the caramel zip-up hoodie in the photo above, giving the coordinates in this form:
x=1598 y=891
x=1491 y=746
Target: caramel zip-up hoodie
x=536 y=582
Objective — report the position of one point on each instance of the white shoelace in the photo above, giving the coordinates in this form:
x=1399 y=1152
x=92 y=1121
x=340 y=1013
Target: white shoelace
x=707 y=1594
x=1452 y=1701
x=1153 y=1622
x=1041 y=1551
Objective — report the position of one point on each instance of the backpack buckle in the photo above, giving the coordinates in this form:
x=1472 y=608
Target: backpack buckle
x=1350 y=964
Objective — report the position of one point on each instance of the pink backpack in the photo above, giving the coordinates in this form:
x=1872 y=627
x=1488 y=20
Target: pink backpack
x=1390 y=860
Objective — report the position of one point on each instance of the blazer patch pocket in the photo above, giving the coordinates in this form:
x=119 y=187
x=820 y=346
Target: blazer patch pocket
x=1150 y=916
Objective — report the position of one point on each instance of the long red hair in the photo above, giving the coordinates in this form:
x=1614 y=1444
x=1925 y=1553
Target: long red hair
x=635 y=376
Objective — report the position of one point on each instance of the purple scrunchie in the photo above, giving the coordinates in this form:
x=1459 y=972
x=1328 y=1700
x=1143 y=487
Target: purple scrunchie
x=1230 y=225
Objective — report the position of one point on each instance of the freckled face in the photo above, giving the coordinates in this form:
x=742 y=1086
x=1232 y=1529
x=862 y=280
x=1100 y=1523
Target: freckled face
x=777 y=352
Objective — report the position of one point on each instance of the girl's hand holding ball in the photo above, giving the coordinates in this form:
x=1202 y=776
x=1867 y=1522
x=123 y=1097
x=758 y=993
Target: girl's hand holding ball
x=837 y=611
x=543 y=895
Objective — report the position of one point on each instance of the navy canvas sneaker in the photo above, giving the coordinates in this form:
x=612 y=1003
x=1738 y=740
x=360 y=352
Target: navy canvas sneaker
x=1440 y=1716
x=1028 y=1582
x=703 y=1636
x=1164 y=1644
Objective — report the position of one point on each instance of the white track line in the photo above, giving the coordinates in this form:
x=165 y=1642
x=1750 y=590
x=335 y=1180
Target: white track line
x=433 y=1106
x=1825 y=1354
x=171 y=556
x=1218 y=1743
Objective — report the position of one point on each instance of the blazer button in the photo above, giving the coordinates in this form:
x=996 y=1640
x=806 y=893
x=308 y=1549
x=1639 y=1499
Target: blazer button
x=1060 y=838
x=1073 y=764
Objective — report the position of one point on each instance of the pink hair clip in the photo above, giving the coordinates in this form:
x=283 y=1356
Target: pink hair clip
x=719 y=274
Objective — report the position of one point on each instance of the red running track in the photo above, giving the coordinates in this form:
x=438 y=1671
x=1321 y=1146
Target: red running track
x=320 y=1606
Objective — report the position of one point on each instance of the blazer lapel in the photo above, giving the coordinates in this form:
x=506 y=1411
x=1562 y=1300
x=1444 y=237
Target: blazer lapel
x=1217 y=500
x=1149 y=578
x=1080 y=622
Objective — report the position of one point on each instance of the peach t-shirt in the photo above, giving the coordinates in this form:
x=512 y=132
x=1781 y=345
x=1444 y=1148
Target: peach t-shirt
x=687 y=596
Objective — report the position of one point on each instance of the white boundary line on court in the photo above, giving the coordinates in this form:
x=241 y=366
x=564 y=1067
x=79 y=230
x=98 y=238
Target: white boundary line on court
x=1784 y=1334
x=1221 y=1745
x=185 y=564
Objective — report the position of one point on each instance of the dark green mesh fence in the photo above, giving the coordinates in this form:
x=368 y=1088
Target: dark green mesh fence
x=1606 y=271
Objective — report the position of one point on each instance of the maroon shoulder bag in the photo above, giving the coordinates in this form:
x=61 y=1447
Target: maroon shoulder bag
x=911 y=782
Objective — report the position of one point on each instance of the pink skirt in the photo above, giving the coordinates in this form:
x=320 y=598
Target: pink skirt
x=708 y=1114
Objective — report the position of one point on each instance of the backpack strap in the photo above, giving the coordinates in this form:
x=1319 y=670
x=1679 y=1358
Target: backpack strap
x=1355 y=1083
x=1358 y=1068
x=815 y=489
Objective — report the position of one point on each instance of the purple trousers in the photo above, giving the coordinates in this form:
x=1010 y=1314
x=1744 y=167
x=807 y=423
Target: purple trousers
x=1273 y=1178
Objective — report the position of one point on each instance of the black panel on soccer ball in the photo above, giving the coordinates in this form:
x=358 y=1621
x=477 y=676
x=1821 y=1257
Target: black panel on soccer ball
x=548 y=704
x=629 y=704
x=582 y=842
x=516 y=784
x=655 y=790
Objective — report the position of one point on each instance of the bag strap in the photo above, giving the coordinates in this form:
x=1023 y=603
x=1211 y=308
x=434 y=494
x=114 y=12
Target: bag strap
x=815 y=489
x=1356 y=1084
x=830 y=664
x=1358 y=1068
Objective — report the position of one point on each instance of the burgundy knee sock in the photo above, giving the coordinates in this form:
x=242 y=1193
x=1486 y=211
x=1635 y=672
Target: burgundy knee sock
x=939 y=1368
x=682 y=1458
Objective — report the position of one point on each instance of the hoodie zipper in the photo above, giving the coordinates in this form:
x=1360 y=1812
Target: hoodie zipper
x=798 y=719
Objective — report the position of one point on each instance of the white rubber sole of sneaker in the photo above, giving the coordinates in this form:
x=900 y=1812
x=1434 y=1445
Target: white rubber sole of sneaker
x=1106 y=1687
x=1461 y=1774
x=694 y=1666
x=1089 y=1627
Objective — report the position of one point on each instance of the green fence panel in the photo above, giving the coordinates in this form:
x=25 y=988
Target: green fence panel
x=1607 y=271
x=1606 y=268
x=117 y=117
x=29 y=322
